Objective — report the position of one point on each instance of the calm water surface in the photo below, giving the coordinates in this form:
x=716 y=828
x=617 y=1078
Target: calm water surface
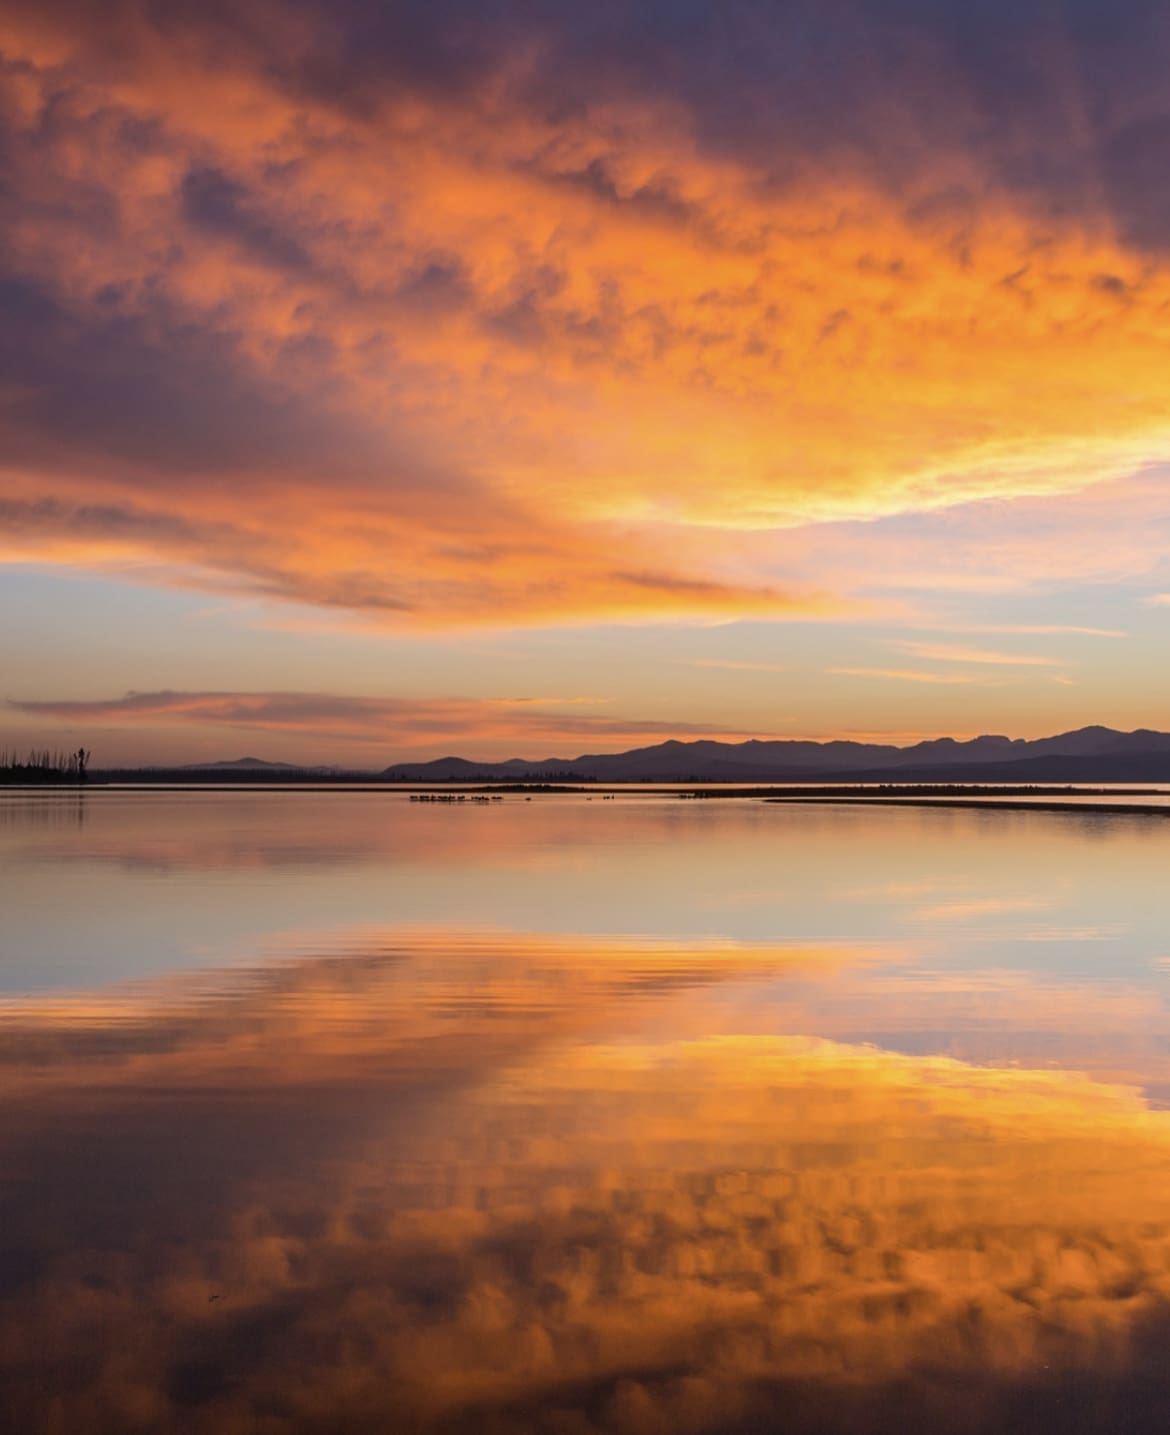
x=336 y=1112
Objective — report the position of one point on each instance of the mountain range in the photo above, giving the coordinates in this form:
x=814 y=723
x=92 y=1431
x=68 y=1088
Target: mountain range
x=1090 y=754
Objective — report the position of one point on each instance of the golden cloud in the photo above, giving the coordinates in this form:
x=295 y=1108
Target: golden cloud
x=449 y=359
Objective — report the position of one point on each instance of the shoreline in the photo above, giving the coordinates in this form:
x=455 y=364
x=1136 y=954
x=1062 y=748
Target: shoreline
x=1016 y=798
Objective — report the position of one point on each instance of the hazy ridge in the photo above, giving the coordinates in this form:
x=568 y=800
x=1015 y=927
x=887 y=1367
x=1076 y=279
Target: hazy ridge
x=1091 y=754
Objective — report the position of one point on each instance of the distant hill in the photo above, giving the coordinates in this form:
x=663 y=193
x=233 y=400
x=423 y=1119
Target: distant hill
x=1091 y=754
x=237 y=763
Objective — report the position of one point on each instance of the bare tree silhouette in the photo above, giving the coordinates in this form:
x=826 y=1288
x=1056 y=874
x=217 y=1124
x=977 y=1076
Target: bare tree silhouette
x=42 y=766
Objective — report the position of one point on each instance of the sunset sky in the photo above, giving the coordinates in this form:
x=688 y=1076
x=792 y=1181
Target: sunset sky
x=384 y=380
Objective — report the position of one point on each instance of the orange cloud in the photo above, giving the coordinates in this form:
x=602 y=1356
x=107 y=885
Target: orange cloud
x=451 y=359
x=957 y=653
x=403 y=722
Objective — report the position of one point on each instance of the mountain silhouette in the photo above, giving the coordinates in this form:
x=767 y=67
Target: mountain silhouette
x=1090 y=754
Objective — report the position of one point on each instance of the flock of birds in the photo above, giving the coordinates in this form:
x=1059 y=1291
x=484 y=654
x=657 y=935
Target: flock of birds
x=478 y=797
x=451 y=797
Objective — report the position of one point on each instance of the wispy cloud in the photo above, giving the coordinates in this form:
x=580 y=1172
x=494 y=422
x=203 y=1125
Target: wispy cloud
x=957 y=653
x=382 y=721
x=916 y=675
x=731 y=665
x=1026 y=629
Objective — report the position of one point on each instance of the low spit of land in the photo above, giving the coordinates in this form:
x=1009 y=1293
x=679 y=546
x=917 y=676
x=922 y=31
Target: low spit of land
x=1016 y=799
x=1048 y=798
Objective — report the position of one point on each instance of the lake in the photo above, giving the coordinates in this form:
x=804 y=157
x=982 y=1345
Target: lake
x=332 y=1111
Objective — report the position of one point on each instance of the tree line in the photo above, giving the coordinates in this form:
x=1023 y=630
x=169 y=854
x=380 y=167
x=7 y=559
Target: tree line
x=41 y=765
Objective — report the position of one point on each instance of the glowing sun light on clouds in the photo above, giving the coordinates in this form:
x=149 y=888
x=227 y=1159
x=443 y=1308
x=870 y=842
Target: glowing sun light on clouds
x=466 y=320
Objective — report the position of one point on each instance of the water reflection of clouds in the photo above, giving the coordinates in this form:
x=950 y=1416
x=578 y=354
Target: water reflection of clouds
x=377 y=1194
x=164 y=880
x=363 y=996
x=372 y=987
x=977 y=908
x=405 y=1168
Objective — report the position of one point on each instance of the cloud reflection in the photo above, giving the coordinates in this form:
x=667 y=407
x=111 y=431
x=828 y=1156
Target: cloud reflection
x=430 y=1190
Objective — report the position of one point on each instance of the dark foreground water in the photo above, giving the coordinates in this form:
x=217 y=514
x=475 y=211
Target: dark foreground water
x=338 y=1113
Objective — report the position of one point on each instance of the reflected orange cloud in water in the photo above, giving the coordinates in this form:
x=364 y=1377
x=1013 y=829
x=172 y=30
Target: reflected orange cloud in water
x=498 y=358
x=378 y=1004
x=501 y=1216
